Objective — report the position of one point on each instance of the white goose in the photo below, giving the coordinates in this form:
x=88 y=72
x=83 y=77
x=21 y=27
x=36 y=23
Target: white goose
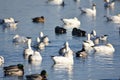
x=56 y=2
x=8 y=20
x=66 y=59
x=44 y=39
x=35 y=57
x=107 y=48
x=71 y=22
x=19 y=39
x=109 y=3
x=87 y=44
x=28 y=51
x=115 y=18
x=1 y=60
x=40 y=44
x=64 y=49
x=88 y=11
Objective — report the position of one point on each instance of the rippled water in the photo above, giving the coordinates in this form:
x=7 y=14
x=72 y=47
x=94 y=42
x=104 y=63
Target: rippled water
x=94 y=67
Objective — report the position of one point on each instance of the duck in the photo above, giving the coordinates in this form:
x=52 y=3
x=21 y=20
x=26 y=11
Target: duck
x=107 y=48
x=66 y=59
x=109 y=4
x=78 y=32
x=114 y=18
x=19 y=39
x=60 y=30
x=1 y=60
x=63 y=50
x=35 y=57
x=39 y=19
x=28 y=51
x=89 y=11
x=14 y=70
x=82 y=53
x=56 y=2
x=71 y=22
x=41 y=76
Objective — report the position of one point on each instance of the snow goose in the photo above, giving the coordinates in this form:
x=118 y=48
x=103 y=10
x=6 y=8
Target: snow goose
x=66 y=59
x=44 y=39
x=35 y=57
x=103 y=38
x=73 y=22
x=87 y=44
x=56 y=2
x=41 y=76
x=64 y=49
x=19 y=39
x=109 y=3
x=89 y=11
x=107 y=48
x=28 y=51
x=14 y=70
x=40 y=44
x=1 y=60
x=115 y=18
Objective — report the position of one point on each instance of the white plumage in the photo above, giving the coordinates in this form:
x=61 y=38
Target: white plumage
x=56 y=2
x=89 y=11
x=28 y=51
x=66 y=59
x=107 y=48
x=1 y=60
x=35 y=57
x=19 y=39
x=74 y=22
x=115 y=18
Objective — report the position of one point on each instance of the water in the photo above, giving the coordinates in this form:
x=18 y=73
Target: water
x=94 y=67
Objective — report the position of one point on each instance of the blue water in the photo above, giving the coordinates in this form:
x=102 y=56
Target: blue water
x=94 y=67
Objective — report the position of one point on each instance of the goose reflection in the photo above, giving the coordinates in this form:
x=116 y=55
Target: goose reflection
x=62 y=68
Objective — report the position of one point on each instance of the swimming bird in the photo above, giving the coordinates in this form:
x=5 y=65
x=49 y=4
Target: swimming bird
x=107 y=48
x=28 y=51
x=73 y=22
x=19 y=39
x=56 y=2
x=82 y=53
x=64 y=49
x=14 y=70
x=7 y=20
x=114 y=18
x=109 y=4
x=39 y=19
x=66 y=59
x=78 y=32
x=87 y=44
x=60 y=30
x=40 y=45
x=35 y=57
x=1 y=60
x=89 y=11
x=41 y=76
x=44 y=38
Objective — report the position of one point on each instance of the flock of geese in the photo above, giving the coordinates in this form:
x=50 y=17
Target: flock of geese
x=93 y=43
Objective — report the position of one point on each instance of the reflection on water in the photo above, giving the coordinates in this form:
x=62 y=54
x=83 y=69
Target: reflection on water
x=62 y=69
